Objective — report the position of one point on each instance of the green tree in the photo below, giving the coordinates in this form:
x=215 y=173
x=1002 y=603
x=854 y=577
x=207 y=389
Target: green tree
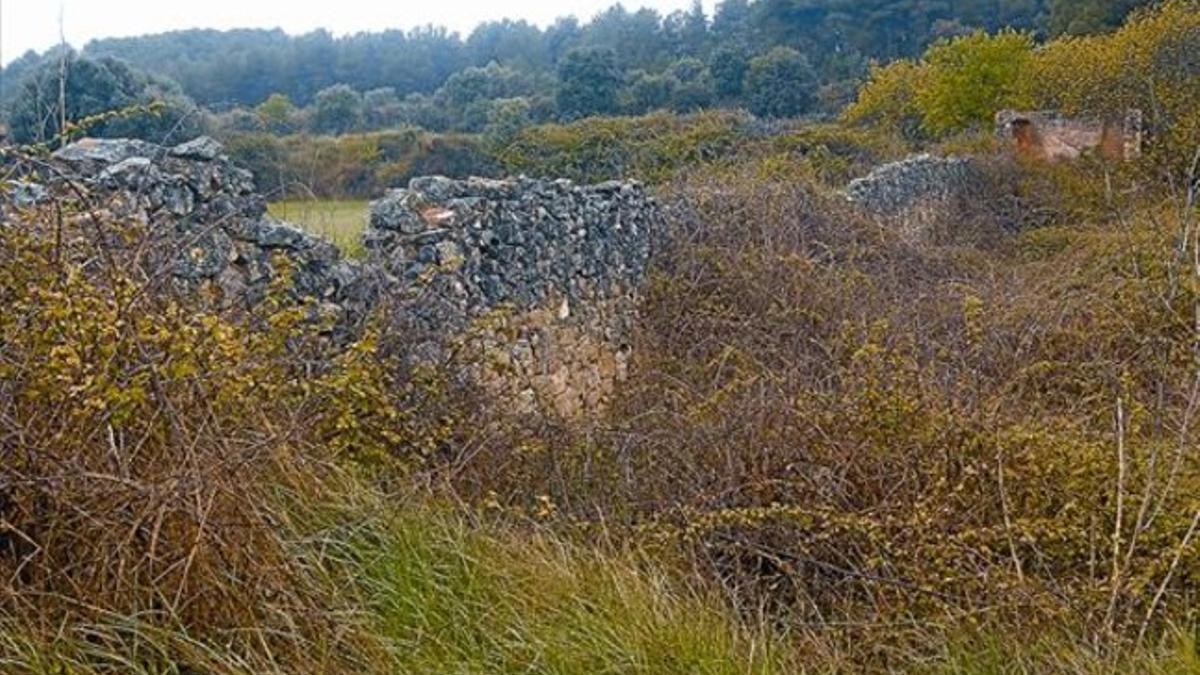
x=1082 y=17
x=506 y=117
x=338 y=110
x=649 y=92
x=381 y=108
x=238 y=120
x=968 y=79
x=731 y=25
x=688 y=31
x=420 y=110
x=588 y=82
x=467 y=95
x=152 y=108
x=728 y=66
x=781 y=83
x=277 y=114
x=694 y=88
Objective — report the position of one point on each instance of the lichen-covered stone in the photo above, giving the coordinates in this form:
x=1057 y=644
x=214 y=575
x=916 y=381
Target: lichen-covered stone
x=105 y=151
x=203 y=148
x=25 y=194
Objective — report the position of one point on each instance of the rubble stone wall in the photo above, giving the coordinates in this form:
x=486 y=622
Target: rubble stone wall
x=913 y=195
x=203 y=215
x=544 y=275
x=541 y=277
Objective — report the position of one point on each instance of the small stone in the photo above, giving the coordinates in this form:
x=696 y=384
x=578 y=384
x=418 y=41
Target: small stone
x=25 y=194
x=276 y=234
x=125 y=169
x=106 y=150
x=448 y=254
x=203 y=148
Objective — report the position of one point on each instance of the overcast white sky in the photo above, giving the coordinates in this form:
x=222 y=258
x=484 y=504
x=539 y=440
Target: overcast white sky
x=33 y=24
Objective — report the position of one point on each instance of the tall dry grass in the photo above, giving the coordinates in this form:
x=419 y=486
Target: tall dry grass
x=190 y=486
x=147 y=439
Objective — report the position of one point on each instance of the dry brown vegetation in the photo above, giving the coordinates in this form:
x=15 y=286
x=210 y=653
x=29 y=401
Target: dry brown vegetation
x=895 y=451
x=187 y=486
x=147 y=443
x=876 y=438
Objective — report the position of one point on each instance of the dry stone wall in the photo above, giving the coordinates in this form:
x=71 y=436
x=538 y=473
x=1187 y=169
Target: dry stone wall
x=915 y=194
x=543 y=275
x=898 y=187
x=539 y=277
x=932 y=199
x=207 y=224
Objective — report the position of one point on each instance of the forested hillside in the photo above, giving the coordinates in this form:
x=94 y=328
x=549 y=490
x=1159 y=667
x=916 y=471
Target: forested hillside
x=778 y=58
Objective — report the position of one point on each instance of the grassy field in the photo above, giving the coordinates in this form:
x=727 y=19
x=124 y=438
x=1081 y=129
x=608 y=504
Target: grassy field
x=340 y=221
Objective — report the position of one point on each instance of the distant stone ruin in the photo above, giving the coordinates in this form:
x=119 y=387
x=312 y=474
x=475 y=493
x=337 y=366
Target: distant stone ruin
x=541 y=277
x=899 y=187
x=1051 y=136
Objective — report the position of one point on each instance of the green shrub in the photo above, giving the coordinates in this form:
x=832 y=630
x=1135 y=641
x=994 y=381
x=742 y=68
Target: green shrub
x=355 y=165
x=650 y=148
x=781 y=83
x=972 y=77
x=888 y=99
x=958 y=84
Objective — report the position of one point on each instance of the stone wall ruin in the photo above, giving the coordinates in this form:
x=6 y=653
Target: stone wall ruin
x=1052 y=136
x=206 y=222
x=541 y=277
x=913 y=195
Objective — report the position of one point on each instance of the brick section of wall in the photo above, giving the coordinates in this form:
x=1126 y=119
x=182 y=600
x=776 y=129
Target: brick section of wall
x=1052 y=136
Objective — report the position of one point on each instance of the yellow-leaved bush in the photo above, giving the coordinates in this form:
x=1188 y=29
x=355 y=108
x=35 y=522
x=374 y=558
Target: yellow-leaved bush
x=1150 y=64
x=958 y=84
x=889 y=100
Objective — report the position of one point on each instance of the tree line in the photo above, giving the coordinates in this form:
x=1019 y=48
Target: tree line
x=776 y=58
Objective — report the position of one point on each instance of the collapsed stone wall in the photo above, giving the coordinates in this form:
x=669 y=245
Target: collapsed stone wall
x=898 y=187
x=543 y=275
x=931 y=199
x=207 y=224
x=913 y=194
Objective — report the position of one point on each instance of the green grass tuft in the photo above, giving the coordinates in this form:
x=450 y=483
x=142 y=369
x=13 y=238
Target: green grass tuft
x=454 y=597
